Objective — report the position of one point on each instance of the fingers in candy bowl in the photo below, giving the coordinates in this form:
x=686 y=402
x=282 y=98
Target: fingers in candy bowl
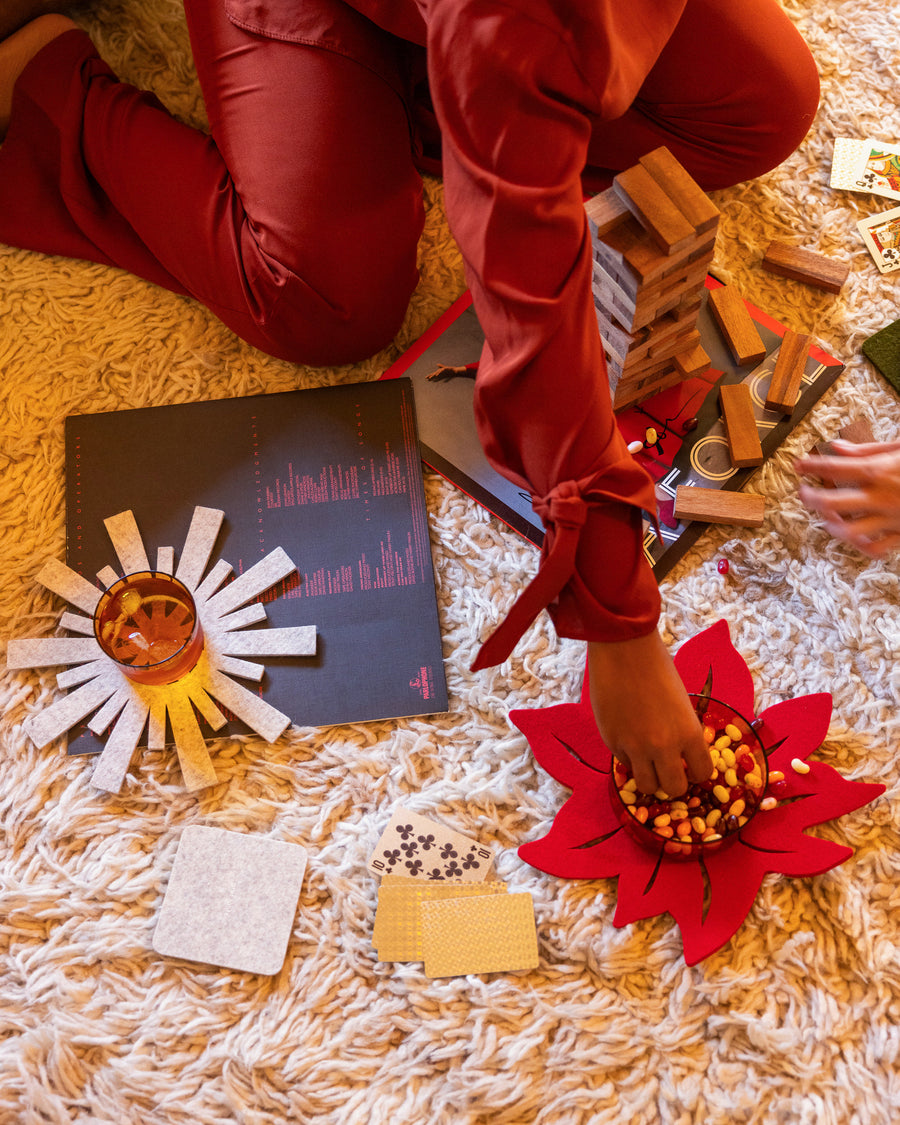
x=709 y=813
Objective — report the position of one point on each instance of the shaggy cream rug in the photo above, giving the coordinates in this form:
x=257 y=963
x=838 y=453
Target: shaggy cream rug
x=796 y=1020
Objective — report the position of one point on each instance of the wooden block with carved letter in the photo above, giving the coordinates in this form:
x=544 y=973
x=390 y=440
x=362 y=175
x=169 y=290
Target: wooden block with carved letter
x=740 y=425
x=784 y=387
x=738 y=328
x=713 y=505
x=806 y=266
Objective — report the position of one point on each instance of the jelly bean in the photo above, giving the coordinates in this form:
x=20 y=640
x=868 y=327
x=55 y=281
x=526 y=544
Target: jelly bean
x=768 y=803
x=688 y=425
x=722 y=566
x=731 y=777
x=737 y=808
x=635 y=446
x=662 y=820
x=651 y=437
x=778 y=788
x=799 y=766
x=721 y=794
x=699 y=825
x=667 y=830
x=776 y=775
x=627 y=796
x=733 y=732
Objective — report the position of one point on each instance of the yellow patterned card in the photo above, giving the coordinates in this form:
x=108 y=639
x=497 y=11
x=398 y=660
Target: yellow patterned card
x=397 y=932
x=479 y=935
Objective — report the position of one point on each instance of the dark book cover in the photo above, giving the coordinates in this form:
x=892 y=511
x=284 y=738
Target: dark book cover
x=334 y=477
x=690 y=446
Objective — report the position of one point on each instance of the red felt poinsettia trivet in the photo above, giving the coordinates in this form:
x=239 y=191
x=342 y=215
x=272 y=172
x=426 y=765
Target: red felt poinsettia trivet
x=709 y=897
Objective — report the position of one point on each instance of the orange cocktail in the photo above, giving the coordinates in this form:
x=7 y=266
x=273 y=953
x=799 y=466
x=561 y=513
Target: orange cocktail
x=148 y=624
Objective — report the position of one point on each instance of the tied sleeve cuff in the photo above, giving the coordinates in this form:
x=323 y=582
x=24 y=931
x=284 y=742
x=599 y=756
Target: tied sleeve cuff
x=564 y=511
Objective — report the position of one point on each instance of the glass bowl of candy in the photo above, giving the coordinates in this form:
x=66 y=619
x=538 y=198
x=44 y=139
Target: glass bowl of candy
x=710 y=813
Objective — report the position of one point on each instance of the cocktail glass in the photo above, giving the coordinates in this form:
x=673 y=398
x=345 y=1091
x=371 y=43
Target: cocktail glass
x=148 y=624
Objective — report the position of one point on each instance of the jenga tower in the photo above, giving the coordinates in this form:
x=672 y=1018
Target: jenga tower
x=654 y=234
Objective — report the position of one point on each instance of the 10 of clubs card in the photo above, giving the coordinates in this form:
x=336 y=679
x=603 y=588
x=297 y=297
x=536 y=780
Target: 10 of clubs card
x=881 y=234
x=415 y=846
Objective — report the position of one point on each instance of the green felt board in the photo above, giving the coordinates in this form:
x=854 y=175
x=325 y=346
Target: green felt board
x=883 y=349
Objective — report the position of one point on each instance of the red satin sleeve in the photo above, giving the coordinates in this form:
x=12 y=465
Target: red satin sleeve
x=511 y=100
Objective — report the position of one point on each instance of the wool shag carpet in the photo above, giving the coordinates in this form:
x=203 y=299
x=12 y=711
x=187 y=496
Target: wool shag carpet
x=795 y=1020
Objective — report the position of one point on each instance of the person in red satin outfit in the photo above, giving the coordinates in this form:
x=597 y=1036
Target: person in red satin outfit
x=296 y=222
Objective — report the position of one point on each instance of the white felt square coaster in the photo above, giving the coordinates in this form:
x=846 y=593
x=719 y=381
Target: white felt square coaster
x=231 y=900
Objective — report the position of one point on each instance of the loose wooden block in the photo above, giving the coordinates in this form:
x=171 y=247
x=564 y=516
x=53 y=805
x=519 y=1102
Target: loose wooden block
x=605 y=212
x=653 y=209
x=738 y=328
x=784 y=387
x=682 y=189
x=740 y=425
x=805 y=265
x=713 y=505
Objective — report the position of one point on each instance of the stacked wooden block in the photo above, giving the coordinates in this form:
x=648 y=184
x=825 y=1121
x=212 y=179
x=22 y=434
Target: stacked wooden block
x=654 y=234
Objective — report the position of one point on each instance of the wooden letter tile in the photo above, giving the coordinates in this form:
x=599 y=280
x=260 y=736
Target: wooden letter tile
x=737 y=325
x=784 y=388
x=740 y=425
x=805 y=265
x=713 y=505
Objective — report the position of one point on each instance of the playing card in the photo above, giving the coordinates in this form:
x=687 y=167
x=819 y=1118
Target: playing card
x=847 y=152
x=413 y=845
x=492 y=934
x=877 y=170
x=397 y=931
x=881 y=234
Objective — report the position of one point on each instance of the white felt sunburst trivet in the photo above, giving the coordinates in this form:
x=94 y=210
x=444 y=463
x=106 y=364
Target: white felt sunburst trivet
x=101 y=686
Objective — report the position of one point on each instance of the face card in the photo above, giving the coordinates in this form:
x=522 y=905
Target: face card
x=413 y=845
x=493 y=934
x=881 y=234
x=847 y=154
x=397 y=932
x=877 y=170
